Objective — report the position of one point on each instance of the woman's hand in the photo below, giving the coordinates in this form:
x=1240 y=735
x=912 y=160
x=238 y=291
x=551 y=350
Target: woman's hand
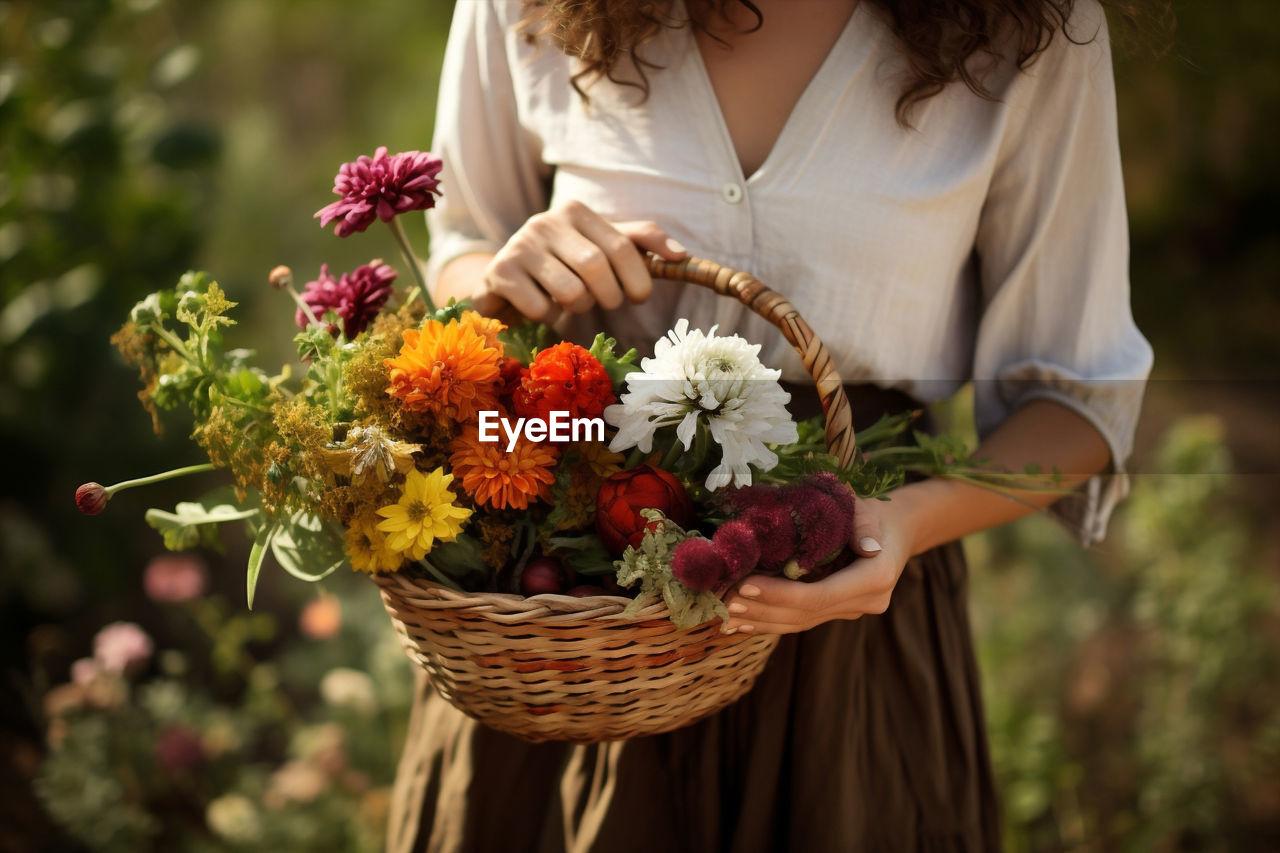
x=570 y=259
x=882 y=536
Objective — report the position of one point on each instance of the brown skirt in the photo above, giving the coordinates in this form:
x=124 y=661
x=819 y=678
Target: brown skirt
x=861 y=735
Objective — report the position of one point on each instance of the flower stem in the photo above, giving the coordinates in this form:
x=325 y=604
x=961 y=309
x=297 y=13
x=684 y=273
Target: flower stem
x=157 y=478
x=402 y=240
x=172 y=340
x=303 y=306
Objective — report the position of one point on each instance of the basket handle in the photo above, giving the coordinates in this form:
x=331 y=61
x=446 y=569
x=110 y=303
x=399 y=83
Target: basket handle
x=748 y=290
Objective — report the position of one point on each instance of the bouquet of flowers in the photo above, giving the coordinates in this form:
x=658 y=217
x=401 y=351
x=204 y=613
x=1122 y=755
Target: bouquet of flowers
x=445 y=448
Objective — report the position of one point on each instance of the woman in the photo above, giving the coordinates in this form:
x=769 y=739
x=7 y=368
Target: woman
x=939 y=193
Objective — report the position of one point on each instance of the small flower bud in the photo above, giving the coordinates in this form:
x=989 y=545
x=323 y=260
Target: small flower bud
x=280 y=277
x=91 y=498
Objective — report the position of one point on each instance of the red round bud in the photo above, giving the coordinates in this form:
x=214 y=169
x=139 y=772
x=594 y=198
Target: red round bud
x=586 y=590
x=542 y=575
x=91 y=498
x=622 y=496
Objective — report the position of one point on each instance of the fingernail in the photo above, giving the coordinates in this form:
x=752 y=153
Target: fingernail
x=746 y=629
x=728 y=630
x=674 y=245
x=737 y=607
x=752 y=591
x=868 y=544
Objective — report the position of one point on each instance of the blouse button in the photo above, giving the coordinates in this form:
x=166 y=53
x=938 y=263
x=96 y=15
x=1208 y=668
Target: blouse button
x=731 y=193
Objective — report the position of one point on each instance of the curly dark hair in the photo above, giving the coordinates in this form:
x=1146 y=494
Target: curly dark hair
x=937 y=37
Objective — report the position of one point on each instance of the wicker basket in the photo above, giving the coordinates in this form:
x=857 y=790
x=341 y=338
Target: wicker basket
x=554 y=667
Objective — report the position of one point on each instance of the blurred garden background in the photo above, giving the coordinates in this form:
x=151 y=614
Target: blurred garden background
x=1133 y=690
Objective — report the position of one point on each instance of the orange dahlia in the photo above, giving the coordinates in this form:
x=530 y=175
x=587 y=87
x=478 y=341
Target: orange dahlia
x=446 y=370
x=493 y=477
x=486 y=327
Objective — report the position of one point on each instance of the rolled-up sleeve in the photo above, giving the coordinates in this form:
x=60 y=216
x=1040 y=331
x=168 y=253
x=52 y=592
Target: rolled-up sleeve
x=493 y=177
x=1053 y=255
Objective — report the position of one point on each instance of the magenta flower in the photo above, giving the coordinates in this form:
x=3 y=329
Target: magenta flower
x=736 y=543
x=122 y=647
x=698 y=565
x=380 y=187
x=174 y=577
x=356 y=297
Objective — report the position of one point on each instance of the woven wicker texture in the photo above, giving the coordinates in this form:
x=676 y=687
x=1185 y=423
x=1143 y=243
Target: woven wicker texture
x=554 y=667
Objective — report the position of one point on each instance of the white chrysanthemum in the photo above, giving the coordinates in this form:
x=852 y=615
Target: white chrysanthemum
x=718 y=380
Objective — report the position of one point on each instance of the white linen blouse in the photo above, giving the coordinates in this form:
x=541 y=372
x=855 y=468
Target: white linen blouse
x=988 y=242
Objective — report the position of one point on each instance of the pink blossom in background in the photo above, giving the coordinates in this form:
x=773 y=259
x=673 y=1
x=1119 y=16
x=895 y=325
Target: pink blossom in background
x=122 y=647
x=321 y=618
x=84 y=671
x=356 y=297
x=379 y=187
x=175 y=577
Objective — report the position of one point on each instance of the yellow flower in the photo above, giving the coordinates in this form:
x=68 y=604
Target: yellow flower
x=425 y=513
x=602 y=461
x=367 y=547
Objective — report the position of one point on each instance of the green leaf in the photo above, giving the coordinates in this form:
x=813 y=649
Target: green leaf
x=524 y=340
x=256 y=555
x=306 y=548
x=182 y=528
x=459 y=557
x=584 y=554
x=616 y=366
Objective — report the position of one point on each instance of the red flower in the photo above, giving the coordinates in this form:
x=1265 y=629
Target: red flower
x=512 y=373
x=379 y=188
x=622 y=496
x=564 y=378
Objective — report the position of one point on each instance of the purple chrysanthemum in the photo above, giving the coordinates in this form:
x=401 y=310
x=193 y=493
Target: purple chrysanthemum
x=698 y=565
x=380 y=187
x=356 y=297
x=736 y=543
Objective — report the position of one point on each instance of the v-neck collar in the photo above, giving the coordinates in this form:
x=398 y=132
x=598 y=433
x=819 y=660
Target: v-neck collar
x=819 y=85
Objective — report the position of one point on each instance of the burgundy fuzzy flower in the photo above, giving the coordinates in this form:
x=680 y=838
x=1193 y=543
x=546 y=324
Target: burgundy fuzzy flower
x=379 y=187
x=775 y=532
x=356 y=297
x=746 y=498
x=698 y=565
x=831 y=485
x=824 y=529
x=735 y=541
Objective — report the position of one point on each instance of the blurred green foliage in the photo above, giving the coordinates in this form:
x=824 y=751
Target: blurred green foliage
x=1130 y=689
